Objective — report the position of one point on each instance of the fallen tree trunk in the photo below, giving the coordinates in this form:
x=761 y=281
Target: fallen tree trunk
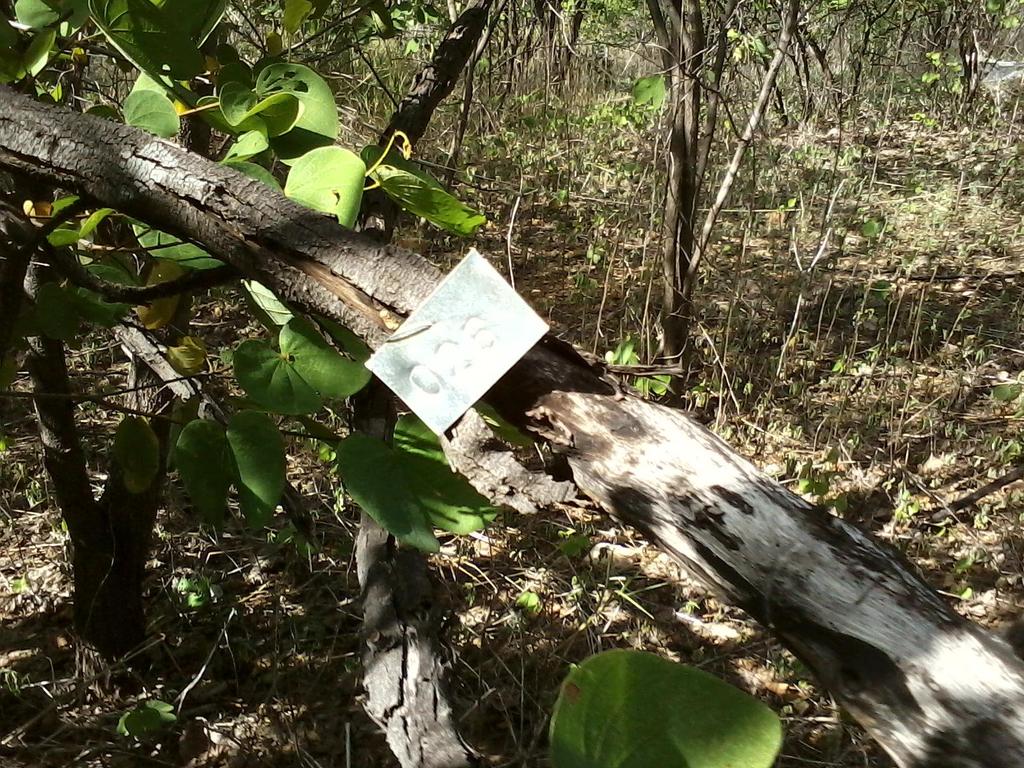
x=934 y=689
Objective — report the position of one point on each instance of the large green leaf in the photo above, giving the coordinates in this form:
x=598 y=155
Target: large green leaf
x=38 y=52
x=146 y=718
x=427 y=199
x=164 y=246
x=448 y=500
x=295 y=12
x=329 y=179
x=1007 y=391
x=373 y=477
x=93 y=308
x=245 y=110
x=271 y=381
x=317 y=125
x=203 y=459
x=409 y=488
x=248 y=144
x=54 y=315
x=201 y=16
x=258 y=451
x=628 y=709
x=319 y=364
x=254 y=171
x=268 y=308
x=293 y=380
x=42 y=13
x=137 y=451
x=158 y=40
x=153 y=112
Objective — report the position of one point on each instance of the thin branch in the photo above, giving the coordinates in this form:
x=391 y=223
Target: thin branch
x=987 y=490
x=68 y=265
x=785 y=37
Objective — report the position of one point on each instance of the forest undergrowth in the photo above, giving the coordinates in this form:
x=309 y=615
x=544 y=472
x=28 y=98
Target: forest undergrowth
x=861 y=328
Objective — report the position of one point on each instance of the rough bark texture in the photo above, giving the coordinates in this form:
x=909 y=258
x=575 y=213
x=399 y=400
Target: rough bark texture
x=934 y=689
x=15 y=232
x=403 y=672
x=110 y=535
x=436 y=81
x=496 y=473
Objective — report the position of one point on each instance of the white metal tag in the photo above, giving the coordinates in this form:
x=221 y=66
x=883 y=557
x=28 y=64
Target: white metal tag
x=457 y=343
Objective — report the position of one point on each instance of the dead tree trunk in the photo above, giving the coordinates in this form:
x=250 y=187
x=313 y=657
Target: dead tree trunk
x=934 y=689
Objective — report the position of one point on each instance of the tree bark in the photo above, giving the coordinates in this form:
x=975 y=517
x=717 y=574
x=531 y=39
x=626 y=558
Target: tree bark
x=110 y=535
x=934 y=689
x=403 y=671
x=15 y=233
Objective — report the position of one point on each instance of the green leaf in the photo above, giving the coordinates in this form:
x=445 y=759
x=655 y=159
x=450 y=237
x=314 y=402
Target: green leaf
x=62 y=236
x=93 y=308
x=428 y=200
x=319 y=364
x=295 y=12
x=254 y=171
x=872 y=228
x=317 y=125
x=277 y=112
x=147 y=718
x=206 y=468
x=137 y=452
x=267 y=307
x=354 y=346
x=8 y=37
x=503 y=428
x=1007 y=392
x=649 y=91
x=156 y=39
x=54 y=315
x=372 y=475
x=170 y=248
x=529 y=602
x=248 y=144
x=328 y=179
x=448 y=500
x=271 y=380
x=258 y=451
x=188 y=356
x=628 y=709
x=153 y=112
x=93 y=221
x=44 y=13
x=38 y=52
x=292 y=381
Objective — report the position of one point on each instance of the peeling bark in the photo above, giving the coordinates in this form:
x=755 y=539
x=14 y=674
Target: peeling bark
x=933 y=688
x=496 y=473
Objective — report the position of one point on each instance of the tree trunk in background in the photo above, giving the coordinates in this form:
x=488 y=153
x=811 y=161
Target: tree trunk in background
x=680 y=32
x=934 y=689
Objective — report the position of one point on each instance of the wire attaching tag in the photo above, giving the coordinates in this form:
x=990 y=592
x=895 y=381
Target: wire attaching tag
x=468 y=333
